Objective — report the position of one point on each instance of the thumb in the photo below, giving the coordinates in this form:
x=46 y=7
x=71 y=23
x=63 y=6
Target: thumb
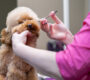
x=25 y=33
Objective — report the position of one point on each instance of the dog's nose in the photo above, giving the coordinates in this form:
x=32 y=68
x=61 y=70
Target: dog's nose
x=30 y=26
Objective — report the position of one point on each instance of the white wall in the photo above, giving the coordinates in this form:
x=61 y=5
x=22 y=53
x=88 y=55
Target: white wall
x=87 y=6
x=77 y=10
x=42 y=8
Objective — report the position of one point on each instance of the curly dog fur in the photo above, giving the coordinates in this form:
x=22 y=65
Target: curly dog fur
x=13 y=67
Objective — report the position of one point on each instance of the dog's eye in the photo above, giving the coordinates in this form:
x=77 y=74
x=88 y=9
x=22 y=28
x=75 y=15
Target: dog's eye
x=30 y=27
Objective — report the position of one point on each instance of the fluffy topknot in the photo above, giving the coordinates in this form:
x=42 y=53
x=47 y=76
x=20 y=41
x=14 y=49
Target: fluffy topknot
x=14 y=16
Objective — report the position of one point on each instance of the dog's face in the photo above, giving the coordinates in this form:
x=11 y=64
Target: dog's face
x=19 y=22
x=27 y=23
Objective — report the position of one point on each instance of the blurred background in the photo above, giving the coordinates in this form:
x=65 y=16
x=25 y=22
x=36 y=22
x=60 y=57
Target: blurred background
x=76 y=11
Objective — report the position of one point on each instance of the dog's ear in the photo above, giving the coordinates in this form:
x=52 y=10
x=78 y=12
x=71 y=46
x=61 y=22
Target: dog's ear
x=5 y=37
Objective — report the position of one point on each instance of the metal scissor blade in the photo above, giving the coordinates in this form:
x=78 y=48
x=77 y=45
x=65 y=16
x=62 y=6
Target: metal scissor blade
x=48 y=15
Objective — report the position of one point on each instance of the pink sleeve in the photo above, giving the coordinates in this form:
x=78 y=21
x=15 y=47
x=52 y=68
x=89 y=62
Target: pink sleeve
x=74 y=62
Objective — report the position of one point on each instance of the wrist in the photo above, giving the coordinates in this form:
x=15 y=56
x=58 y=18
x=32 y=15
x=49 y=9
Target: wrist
x=69 y=38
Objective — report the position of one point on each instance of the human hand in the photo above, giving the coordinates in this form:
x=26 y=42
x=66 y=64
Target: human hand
x=20 y=38
x=56 y=30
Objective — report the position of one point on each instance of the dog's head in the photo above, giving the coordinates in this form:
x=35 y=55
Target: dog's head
x=19 y=20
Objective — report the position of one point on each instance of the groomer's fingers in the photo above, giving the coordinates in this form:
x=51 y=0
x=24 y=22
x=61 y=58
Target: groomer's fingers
x=52 y=29
x=25 y=33
x=54 y=17
x=59 y=36
x=44 y=25
x=53 y=34
x=43 y=21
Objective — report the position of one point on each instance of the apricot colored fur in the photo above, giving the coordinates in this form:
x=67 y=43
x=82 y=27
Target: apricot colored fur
x=13 y=67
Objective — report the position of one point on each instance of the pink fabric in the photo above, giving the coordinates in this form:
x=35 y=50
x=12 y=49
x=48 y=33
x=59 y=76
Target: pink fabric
x=74 y=61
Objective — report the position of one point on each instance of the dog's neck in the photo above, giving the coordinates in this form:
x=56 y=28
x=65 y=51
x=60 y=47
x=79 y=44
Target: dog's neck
x=32 y=41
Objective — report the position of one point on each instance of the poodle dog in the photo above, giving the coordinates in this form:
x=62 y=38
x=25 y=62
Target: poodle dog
x=13 y=67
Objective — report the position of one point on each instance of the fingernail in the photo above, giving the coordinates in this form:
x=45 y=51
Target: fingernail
x=45 y=23
x=52 y=13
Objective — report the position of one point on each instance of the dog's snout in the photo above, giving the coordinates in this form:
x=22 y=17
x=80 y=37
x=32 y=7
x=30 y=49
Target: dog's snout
x=31 y=27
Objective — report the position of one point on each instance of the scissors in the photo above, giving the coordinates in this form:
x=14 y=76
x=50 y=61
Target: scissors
x=48 y=15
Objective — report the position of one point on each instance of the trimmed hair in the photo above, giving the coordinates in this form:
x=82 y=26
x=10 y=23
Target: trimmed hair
x=14 y=15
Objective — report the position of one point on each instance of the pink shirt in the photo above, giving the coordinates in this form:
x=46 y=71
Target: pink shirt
x=74 y=61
